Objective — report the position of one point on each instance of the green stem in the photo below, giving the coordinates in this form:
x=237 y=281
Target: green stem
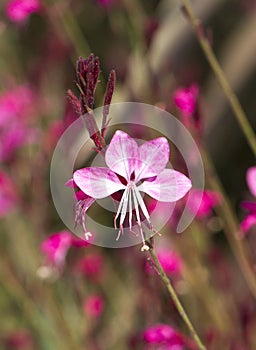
x=231 y=226
x=232 y=98
x=176 y=300
x=68 y=27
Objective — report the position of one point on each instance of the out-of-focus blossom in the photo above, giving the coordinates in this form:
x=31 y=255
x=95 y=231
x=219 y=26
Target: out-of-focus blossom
x=16 y=106
x=18 y=340
x=163 y=334
x=93 y=306
x=19 y=10
x=185 y=99
x=250 y=220
x=14 y=137
x=55 y=248
x=104 y=3
x=202 y=202
x=143 y=170
x=170 y=261
x=91 y=265
x=8 y=194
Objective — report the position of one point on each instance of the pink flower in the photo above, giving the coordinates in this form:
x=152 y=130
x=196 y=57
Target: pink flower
x=250 y=220
x=163 y=334
x=15 y=107
x=15 y=104
x=8 y=194
x=104 y=3
x=56 y=246
x=91 y=265
x=18 y=340
x=170 y=261
x=186 y=99
x=202 y=202
x=93 y=306
x=19 y=10
x=132 y=169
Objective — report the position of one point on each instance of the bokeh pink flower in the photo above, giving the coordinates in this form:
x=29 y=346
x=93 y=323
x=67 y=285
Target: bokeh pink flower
x=163 y=334
x=202 y=202
x=8 y=194
x=16 y=107
x=93 y=305
x=20 y=10
x=185 y=99
x=250 y=219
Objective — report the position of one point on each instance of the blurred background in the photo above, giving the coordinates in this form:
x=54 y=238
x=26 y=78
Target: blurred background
x=57 y=292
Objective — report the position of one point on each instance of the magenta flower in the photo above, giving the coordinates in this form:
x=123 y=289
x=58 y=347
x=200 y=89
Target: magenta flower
x=8 y=194
x=186 y=99
x=170 y=261
x=163 y=334
x=202 y=202
x=19 y=10
x=250 y=219
x=16 y=106
x=91 y=265
x=93 y=306
x=55 y=248
x=132 y=169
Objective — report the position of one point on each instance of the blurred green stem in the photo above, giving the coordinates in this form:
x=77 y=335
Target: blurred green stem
x=69 y=26
x=210 y=56
x=176 y=300
x=231 y=226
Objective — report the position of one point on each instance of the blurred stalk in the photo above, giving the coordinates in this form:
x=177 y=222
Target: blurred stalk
x=17 y=249
x=210 y=56
x=176 y=300
x=68 y=25
x=231 y=227
x=137 y=19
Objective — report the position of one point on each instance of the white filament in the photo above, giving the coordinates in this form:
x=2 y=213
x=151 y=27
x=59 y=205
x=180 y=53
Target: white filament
x=130 y=197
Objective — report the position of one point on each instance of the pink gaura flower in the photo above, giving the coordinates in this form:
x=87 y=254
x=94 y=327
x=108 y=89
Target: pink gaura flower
x=8 y=194
x=132 y=169
x=250 y=220
x=202 y=202
x=93 y=305
x=19 y=10
x=186 y=99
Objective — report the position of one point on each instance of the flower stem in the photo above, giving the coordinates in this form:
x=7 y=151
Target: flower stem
x=210 y=56
x=231 y=226
x=176 y=300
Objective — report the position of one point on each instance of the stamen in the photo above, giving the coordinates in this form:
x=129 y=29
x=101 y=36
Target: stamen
x=142 y=205
x=138 y=219
x=130 y=210
x=119 y=208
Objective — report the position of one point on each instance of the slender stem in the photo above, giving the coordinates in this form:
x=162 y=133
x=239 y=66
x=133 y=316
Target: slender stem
x=231 y=226
x=232 y=98
x=176 y=300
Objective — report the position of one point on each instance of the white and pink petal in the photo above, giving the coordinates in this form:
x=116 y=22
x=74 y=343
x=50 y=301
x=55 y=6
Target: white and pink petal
x=154 y=155
x=122 y=154
x=169 y=186
x=97 y=182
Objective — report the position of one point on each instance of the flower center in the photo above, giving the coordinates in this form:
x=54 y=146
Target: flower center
x=131 y=199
